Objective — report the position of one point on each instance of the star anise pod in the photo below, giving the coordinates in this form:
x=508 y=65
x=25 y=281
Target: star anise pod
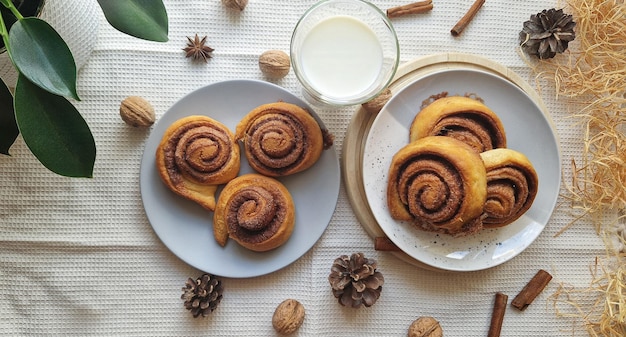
x=547 y=33
x=197 y=49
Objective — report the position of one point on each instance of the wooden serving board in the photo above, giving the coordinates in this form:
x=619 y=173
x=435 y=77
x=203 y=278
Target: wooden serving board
x=357 y=132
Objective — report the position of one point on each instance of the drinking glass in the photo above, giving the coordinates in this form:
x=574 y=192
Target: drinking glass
x=344 y=52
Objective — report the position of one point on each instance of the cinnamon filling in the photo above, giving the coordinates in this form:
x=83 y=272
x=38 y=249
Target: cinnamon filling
x=508 y=194
x=471 y=128
x=255 y=214
x=277 y=142
x=430 y=188
x=198 y=150
x=254 y=208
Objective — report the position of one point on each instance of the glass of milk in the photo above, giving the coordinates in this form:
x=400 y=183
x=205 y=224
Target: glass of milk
x=344 y=52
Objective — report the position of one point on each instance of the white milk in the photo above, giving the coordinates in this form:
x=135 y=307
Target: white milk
x=341 y=56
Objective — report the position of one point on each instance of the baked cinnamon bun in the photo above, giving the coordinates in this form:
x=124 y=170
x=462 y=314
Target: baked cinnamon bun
x=256 y=211
x=462 y=118
x=280 y=139
x=195 y=155
x=512 y=185
x=439 y=183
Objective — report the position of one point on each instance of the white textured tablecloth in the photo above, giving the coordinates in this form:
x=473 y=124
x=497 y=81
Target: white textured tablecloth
x=79 y=257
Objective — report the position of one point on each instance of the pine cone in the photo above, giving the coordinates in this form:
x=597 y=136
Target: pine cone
x=547 y=33
x=355 y=281
x=202 y=295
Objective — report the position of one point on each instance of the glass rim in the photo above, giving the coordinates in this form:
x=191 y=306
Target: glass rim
x=330 y=100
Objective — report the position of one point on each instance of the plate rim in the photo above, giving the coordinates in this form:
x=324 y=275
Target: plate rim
x=147 y=158
x=554 y=135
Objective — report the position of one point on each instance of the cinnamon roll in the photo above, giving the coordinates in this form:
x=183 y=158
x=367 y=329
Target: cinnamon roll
x=195 y=155
x=280 y=139
x=439 y=183
x=512 y=185
x=463 y=118
x=256 y=211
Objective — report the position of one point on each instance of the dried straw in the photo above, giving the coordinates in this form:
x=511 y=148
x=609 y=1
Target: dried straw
x=593 y=76
x=600 y=309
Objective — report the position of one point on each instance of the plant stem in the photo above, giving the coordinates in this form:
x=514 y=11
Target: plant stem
x=3 y=27
x=13 y=9
x=4 y=32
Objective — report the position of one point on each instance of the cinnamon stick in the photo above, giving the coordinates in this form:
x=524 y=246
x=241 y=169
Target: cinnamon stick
x=412 y=8
x=467 y=18
x=497 y=315
x=382 y=243
x=532 y=289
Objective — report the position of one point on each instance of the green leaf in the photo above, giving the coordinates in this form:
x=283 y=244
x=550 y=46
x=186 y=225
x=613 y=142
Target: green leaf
x=40 y=54
x=8 y=125
x=54 y=130
x=145 y=19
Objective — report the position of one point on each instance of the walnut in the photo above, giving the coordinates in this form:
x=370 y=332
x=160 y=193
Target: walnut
x=137 y=112
x=288 y=317
x=274 y=64
x=377 y=103
x=235 y=4
x=425 y=327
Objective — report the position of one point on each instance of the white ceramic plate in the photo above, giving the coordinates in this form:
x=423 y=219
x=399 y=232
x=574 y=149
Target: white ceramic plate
x=187 y=229
x=528 y=130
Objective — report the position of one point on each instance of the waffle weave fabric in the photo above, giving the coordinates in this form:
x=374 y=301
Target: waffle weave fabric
x=78 y=257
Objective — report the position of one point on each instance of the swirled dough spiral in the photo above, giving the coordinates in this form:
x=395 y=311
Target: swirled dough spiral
x=440 y=184
x=256 y=211
x=280 y=139
x=512 y=185
x=462 y=118
x=195 y=155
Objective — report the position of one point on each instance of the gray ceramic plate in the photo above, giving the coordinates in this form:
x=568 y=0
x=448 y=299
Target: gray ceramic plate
x=528 y=130
x=187 y=229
